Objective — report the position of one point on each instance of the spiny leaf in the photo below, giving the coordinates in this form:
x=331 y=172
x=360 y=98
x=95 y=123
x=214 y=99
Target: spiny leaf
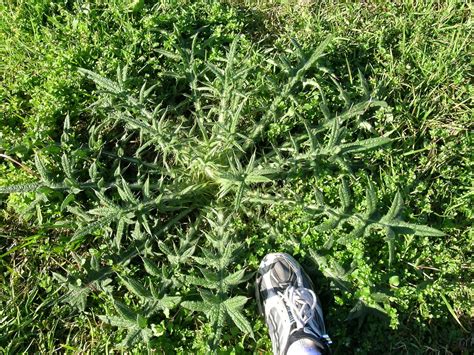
x=210 y=298
x=186 y=254
x=235 y=278
x=335 y=274
x=125 y=192
x=199 y=281
x=93 y=171
x=210 y=275
x=102 y=82
x=66 y=164
x=67 y=123
x=172 y=256
x=135 y=287
x=77 y=295
x=134 y=335
x=364 y=145
x=89 y=228
x=168 y=54
x=167 y=302
x=345 y=195
x=255 y=178
x=196 y=306
x=319 y=197
x=363 y=82
x=316 y=55
x=416 y=229
x=329 y=224
x=150 y=267
x=146 y=188
x=356 y=110
x=357 y=232
x=240 y=321
x=370 y=198
x=21 y=188
x=217 y=317
x=395 y=208
x=117 y=321
x=41 y=168
x=391 y=244
x=334 y=136
x=119 y=233
x=236 y=302
x=127 y=313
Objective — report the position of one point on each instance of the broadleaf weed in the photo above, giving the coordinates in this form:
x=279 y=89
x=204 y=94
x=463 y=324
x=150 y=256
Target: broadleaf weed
x=167 y=174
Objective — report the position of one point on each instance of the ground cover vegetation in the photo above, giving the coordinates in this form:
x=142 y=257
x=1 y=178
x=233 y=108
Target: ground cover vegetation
x=153 y=152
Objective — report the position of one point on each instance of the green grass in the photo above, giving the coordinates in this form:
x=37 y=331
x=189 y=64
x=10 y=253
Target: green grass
x=234 y=186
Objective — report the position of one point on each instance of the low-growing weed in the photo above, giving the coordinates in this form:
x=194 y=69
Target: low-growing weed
x=145 y=215
x=169 y=173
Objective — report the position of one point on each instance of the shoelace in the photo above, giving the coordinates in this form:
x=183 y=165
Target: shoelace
x=302 y=302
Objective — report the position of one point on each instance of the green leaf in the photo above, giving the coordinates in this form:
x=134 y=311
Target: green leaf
x=21 y=188
x=125 y=192
x=336 y=274
x=395 y=208
x=240 y=321
x=146 y=188
x=151 y=268
x=452 y=312
x=102 y=82
x=134 y=335
x=370 y=198
x=254 y=178
x=364 y=145
x=135 y=287
x=236 y=302
x=391 y=244
x=117 y=321
x=199 y=281
x=41 y=168
x=169 y=302
x=89 y=228
x=126 y=313
x=69 y=198
x=142 y=322
x=416 y=229
x=394 y=281
x=66 y=164
x=345 y=195
x=235 y=278
x=77 y=296
x=196 y=306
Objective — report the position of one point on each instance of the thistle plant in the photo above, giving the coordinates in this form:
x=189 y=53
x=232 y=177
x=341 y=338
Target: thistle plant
x=165 y=173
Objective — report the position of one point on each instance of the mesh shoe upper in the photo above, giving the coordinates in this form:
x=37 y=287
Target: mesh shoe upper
x=290 y=306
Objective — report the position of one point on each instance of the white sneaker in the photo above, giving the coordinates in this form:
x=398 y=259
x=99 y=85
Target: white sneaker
x=291 y=308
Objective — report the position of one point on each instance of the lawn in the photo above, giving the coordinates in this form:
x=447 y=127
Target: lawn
x=151 y=154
